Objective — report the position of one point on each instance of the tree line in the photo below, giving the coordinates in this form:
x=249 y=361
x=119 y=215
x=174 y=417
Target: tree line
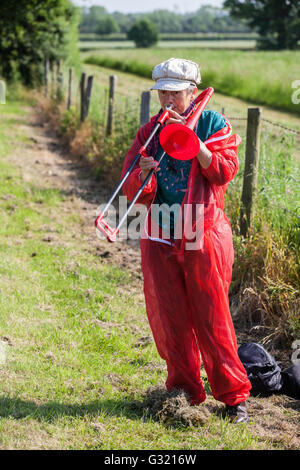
x=277 y=22
x=206 y=19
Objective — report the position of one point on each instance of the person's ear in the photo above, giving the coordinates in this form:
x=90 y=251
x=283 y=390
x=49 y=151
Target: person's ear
x=193 y=94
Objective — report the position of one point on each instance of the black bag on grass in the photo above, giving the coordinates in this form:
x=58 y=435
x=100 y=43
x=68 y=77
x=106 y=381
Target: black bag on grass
x=291 y=381
x=262 y=370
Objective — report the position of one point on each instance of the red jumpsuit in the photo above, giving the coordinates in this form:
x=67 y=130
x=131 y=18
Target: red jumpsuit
x=186 y=291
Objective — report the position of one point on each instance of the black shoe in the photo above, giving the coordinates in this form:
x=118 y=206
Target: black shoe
x=237 y=414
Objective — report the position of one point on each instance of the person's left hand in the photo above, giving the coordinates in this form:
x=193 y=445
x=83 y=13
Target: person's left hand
x=175 y=118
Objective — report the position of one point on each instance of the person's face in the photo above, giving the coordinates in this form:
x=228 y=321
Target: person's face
x=180 y=100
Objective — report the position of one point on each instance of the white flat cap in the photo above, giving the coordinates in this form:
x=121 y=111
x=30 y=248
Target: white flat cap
x=175 y=75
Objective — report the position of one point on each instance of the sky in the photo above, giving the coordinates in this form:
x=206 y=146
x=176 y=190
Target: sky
x=138 y=6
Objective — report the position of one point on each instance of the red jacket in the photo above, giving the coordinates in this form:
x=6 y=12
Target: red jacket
x=205 y=186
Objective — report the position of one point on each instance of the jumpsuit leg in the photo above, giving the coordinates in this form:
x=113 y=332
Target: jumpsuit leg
x=208 y=276
x=169 y=317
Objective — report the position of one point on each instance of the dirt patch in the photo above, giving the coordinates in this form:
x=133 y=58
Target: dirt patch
x=276 y=420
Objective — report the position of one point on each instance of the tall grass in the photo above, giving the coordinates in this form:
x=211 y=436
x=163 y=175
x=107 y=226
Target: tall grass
x=265 y=285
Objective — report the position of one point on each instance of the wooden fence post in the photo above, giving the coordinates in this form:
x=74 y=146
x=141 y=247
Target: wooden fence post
x=51 y=68
x=105 y=107
x=250 y=171
x=145 y=107
x=58 y=78
x=110 y=117
x=46 y=72
x=59 y=93
x=58 y=64
x=69 y=89
x=82 y=96
x=88 y=95
x=85 y=95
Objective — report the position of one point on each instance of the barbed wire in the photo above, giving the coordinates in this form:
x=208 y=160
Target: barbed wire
x=283 y=208
x=273 y=123
x=237 y=118
x=290 y=212
x=287 y=177
x=281 y=126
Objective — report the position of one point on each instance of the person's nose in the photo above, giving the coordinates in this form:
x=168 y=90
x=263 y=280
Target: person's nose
x=170 y=98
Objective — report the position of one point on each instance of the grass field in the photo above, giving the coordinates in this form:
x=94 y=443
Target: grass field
x=261 y=77
x=238 y=44
x=173 y=40
x=78 y=352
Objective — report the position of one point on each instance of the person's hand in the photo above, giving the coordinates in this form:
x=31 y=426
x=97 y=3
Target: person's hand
x=175 y=118
x=204 y=156
x=146 y=165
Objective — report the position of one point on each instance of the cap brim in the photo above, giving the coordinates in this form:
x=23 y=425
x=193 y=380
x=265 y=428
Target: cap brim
x=171 y=84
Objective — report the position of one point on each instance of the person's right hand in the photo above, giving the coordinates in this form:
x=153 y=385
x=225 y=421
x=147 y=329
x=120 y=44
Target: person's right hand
x=146 y=165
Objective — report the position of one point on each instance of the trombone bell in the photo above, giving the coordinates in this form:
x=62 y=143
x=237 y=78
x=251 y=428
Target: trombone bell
x=179 y=142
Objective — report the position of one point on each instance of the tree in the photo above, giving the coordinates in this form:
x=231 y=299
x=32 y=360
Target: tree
x=165 y=21
x=32 y=30
x=124 y=21
x=91 y=18
x=143 y=33
x=107 y=25
x=277 y=21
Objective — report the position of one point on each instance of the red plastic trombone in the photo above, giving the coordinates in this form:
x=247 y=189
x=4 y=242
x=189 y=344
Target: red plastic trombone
x=110 y=233
x=177 y=140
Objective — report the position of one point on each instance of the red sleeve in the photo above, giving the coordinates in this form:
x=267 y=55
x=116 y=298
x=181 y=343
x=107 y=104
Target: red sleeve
x=224 y=164
x=133 y=182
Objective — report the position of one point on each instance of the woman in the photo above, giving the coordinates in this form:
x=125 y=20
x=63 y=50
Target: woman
x=187 y=273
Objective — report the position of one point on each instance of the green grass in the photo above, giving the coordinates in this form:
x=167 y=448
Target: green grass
x=261 y=77
x=172 y=40
x=239 y=44
x=73 y=370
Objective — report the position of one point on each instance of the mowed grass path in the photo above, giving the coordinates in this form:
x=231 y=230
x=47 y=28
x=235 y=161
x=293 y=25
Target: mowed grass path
x=72 y=366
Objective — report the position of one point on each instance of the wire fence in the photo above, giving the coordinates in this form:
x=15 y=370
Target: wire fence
x=273 y=123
